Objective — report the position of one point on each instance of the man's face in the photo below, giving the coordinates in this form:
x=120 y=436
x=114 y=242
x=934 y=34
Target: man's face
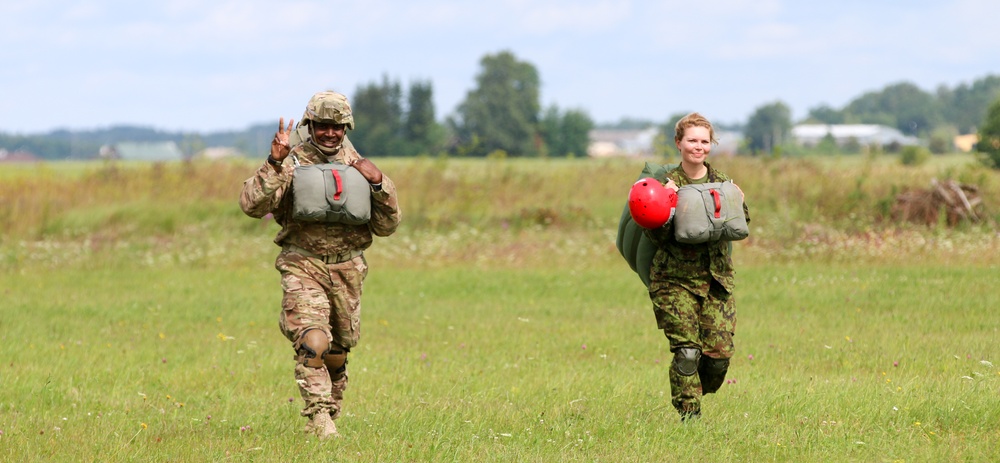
x=328 y=135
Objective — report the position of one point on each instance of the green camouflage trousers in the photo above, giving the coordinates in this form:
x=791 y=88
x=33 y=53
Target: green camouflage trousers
x=704 y=323
x=327 y=297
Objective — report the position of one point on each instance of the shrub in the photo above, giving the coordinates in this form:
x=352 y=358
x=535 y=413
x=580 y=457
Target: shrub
x=914 y=155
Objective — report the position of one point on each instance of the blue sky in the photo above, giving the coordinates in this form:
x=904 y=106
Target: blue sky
x=204 y=66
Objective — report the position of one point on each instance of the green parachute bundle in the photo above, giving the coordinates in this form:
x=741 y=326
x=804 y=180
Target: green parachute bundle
x=632 y=243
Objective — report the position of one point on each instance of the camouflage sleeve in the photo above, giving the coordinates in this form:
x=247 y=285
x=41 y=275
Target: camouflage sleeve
x=262 y=193
x=385 y=209
x=659 y=236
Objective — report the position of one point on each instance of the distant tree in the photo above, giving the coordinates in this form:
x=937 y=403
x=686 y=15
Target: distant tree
x=768 y=127
x=627 y=123
x=565 y=134
x=378 y=119
x=989 y=136
x=966 y=105
x=824 y=114
x=903 y=106
x=422 y=133
x=501 y=113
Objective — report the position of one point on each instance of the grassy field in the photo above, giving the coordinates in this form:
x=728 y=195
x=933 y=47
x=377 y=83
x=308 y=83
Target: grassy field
x=138 y=322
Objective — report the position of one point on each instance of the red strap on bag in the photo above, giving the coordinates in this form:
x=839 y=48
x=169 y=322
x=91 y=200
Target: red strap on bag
x=718 y=203
x=339 y=183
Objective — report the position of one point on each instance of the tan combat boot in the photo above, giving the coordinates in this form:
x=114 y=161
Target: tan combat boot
x=322 y=426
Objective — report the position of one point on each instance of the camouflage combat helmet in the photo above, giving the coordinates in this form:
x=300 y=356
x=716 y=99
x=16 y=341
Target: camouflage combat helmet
x=329 y=107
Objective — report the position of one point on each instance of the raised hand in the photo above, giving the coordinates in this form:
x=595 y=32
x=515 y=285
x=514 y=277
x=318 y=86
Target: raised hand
x=279 y=144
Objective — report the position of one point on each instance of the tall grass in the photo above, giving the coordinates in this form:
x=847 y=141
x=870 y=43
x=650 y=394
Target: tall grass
x=138 y=322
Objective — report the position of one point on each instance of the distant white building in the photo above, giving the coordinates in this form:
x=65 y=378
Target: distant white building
x=640 y=143
x=143 y=151
x=843 y=134
x=619 y=142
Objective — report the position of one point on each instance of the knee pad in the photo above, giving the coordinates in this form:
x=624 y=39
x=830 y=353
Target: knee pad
x=336 y=359
x=686 y=360
x=712 y=373
x=313 y=348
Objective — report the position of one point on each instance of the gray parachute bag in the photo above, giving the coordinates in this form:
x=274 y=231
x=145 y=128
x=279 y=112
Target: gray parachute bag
x=331 y=193
x=637 y=249
x=709 y=212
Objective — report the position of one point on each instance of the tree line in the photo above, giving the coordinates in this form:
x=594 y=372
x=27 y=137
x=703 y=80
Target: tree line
x=936 y=118
x=502 y=116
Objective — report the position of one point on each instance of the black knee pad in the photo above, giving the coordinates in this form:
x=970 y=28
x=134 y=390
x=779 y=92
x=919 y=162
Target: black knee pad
x=686 y=360
x=712 y=373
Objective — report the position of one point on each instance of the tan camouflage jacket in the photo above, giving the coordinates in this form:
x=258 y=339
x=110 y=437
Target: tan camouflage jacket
x=270 y=192
x=692 y=266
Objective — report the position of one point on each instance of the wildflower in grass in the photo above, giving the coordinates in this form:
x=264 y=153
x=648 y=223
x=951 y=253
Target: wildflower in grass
x=144 y=425
x=163 y=336
x=895 y=364
x=750 y=357
x=848 y=338
x=583 y=346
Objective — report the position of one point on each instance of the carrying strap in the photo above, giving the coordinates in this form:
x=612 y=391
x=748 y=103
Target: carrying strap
x=718 y=202
x=340 y=185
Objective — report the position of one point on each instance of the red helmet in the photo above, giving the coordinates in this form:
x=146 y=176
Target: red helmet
x=650 y=203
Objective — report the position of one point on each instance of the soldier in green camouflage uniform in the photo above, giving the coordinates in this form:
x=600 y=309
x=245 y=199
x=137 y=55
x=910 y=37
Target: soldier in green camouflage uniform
x=691 y=285
x=321 y=264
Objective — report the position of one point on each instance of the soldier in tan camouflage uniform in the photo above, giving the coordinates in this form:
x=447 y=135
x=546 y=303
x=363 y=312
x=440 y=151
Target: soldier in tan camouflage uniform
x=321 y=264
x=691 y=285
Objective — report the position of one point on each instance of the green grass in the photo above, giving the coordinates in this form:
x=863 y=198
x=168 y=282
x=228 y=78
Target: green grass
x=170 y=361
x=509 y=331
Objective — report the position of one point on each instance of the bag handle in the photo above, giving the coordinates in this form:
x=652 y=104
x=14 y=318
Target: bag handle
x=718 y=203
x=338 y=182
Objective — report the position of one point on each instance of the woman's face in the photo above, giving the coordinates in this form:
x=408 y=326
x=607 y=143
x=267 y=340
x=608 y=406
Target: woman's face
x=695 y=145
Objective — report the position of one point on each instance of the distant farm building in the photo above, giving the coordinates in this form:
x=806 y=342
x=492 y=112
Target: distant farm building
x=811 y=135
x=641 y=143
x=621 y=143
x=965 y=143
x=219 y=152
x=135 y=151
x=17 y=156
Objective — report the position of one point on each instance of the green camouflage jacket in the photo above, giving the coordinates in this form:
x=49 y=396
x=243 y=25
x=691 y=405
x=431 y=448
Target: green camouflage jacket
x=692 y=266
x=270 y=192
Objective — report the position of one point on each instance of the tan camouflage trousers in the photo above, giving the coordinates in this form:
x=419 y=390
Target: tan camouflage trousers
x=706 y=323
x=326 y=297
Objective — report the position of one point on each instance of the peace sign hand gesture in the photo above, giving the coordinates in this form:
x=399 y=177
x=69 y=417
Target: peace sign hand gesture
x=279 y=144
